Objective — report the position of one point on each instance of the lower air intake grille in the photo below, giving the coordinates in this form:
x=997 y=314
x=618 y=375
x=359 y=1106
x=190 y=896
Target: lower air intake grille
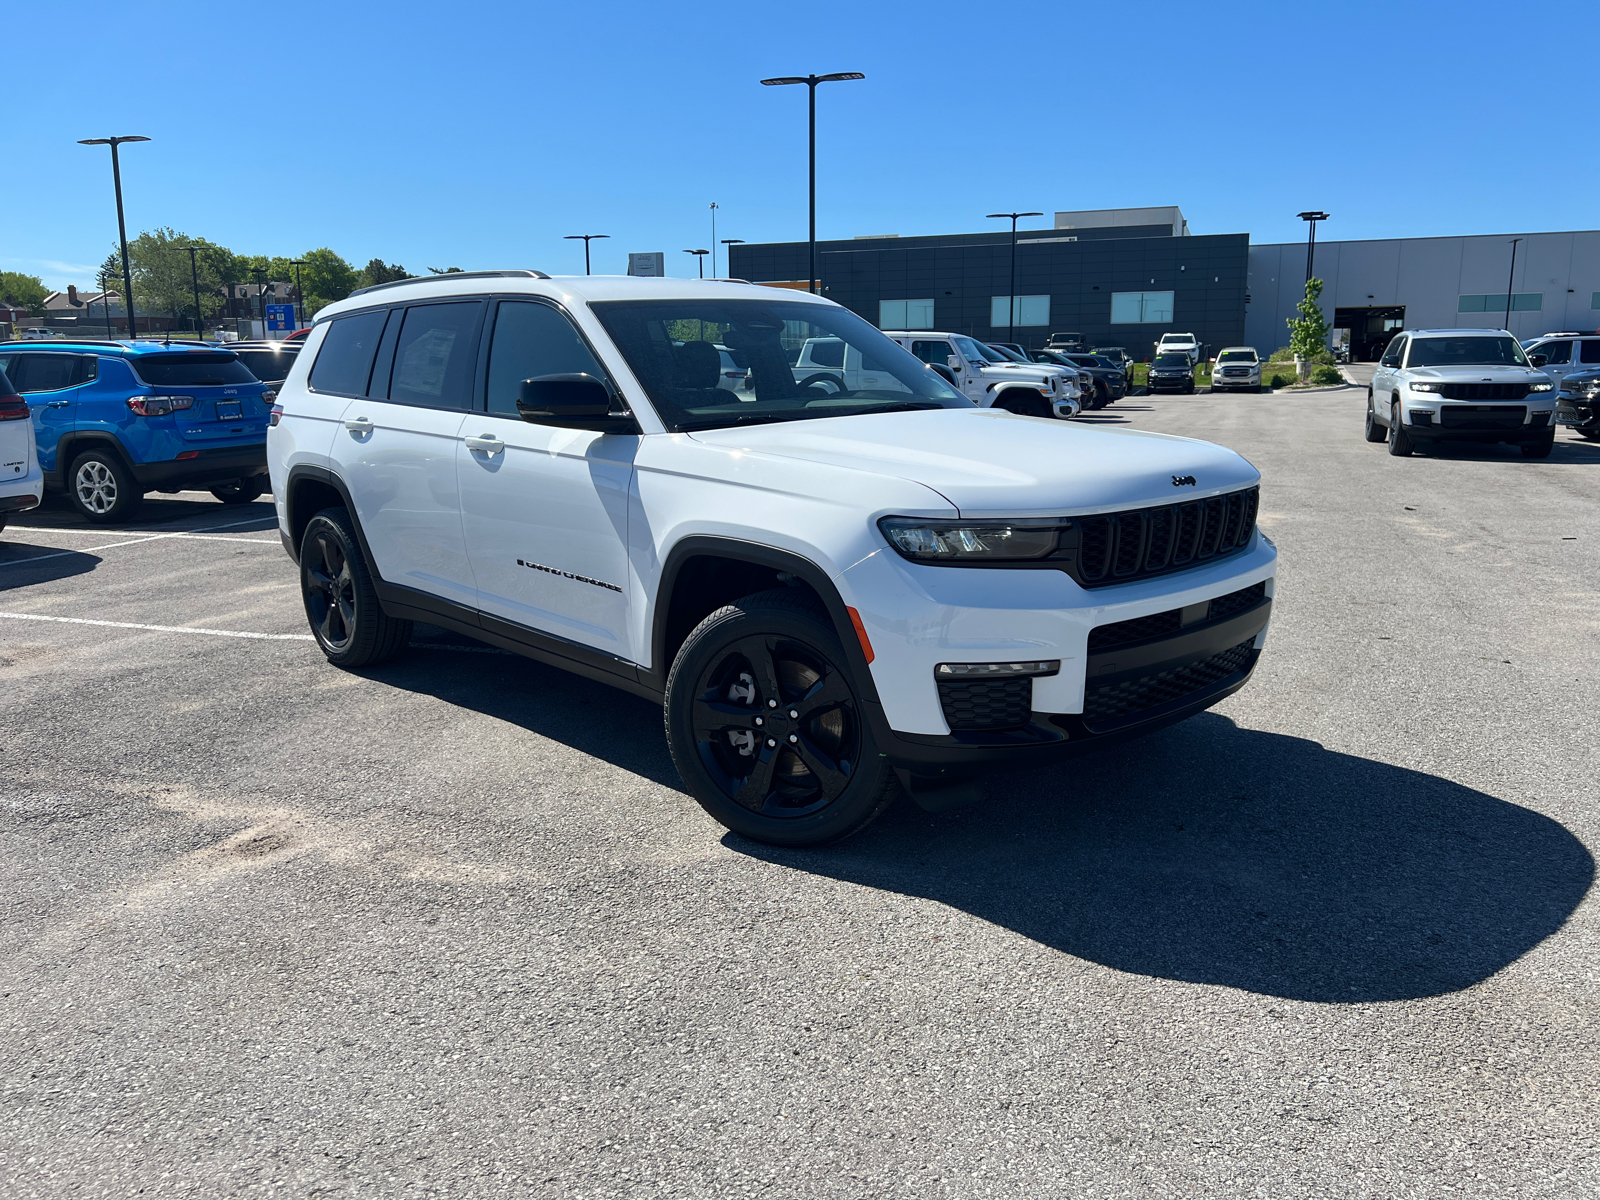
x=987 y=704
x=1226 y=606
x=1482 y=416
x=1109 y=704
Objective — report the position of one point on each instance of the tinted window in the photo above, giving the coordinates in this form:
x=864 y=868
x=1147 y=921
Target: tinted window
x=269 y=366
x=1590 y=351
x=531 y=340
x=345 y=360
x=1555 y=352
x=826 y=353
x=1391 y=356
x=1244 y=356
x=5 y=385
x=1172 y=360
x=49 y=372
x=1465 y=351
x=191 y=370
x=433 y=359
x=933 y=352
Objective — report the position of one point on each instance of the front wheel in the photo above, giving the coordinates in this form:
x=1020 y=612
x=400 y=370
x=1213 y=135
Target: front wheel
x=102 y=488
x=1399 y=440
x=1373 y=432
x=765 y=724
x=241 y=491
x=341 y=604
x=1541 y=448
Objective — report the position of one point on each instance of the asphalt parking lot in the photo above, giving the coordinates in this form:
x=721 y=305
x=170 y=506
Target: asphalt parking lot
x=452 y=928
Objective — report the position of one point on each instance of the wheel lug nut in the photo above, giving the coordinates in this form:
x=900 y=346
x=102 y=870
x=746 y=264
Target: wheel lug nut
x=761 y=720
x=794 y=737
x=794 y=714
x=772 y=704
x=772 y=741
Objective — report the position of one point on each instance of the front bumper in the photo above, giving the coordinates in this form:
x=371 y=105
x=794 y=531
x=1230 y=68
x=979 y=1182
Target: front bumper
x=1251 y=380
x=1169 y=382
x=1576 y=412
x=930 y=615
x=1442 y=420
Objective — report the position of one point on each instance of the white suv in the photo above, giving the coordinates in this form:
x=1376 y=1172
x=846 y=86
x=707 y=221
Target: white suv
x=21 y=481
x=1236 y=367
x=1471 y=385
x=1180 y=343
x=990 y=380
x=834 y=592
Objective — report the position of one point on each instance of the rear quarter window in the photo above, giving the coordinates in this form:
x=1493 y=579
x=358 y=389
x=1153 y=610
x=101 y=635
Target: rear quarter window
x=192 y=370
x=344 y=362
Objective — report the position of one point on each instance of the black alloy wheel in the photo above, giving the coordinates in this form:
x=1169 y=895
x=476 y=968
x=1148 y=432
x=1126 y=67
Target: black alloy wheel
x=765 y=724
x=241 y=491
x=1541 y=448
x=1372 y=431
x=1399 y=440
x=341 y=603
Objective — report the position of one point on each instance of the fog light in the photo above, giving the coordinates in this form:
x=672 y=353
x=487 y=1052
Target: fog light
x=997 y=670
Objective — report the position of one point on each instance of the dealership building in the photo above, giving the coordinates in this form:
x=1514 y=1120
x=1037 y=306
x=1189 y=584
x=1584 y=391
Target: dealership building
x=1123 y=277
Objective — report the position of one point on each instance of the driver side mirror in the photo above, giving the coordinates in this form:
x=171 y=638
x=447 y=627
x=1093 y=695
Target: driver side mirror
x=1538 y=360
x=572 y=401
x=944 y=373
x=954 y=362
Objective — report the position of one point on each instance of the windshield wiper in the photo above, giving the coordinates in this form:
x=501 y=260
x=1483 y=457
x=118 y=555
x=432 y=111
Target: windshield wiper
x=733 y=419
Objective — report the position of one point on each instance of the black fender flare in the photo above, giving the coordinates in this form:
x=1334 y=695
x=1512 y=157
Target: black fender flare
x=297 y=519
x=75 y=442
x=761 y=555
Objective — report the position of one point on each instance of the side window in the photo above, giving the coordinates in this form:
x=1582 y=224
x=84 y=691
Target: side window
x=1555 y=352
x=827 y=352
x=345 y=360
x=933 y=352
x=1589 y=350
x=435 y=354
x=531 y=340
x=45 y=372
x=1391 y=356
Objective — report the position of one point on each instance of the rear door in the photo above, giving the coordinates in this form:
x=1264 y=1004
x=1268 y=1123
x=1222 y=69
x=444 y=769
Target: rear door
x=16 y=438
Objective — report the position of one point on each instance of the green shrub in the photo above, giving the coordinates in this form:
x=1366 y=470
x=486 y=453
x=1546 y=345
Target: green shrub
x=1326 y=376
x=1281 y=381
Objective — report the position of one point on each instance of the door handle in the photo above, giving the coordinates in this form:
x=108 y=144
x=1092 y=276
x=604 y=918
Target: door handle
x=359 y=425
x=488 y=443
x=58 y=403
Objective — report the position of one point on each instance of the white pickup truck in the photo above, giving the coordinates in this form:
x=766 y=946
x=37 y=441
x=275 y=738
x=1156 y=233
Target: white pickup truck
x=1180 y=343
x=1028 y=389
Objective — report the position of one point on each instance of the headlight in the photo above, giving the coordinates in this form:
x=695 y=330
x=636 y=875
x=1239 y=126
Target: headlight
x=1425 y=385
x=924 y=540
x=1541 y=387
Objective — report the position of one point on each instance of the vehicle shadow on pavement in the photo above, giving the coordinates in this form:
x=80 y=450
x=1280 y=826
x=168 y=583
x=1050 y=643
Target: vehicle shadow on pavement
x=18 y=568
x=1567 y=452
x=1213 y=854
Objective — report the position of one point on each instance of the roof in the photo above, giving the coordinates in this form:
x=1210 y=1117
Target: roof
x=570 y=289
x=1452 y=332
x=123 y=348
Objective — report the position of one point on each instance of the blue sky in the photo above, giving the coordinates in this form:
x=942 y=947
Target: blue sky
x=477 y=134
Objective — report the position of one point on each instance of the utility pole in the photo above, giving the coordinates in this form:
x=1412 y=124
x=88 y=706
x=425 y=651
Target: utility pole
x=1311 y=242
x=714 y=239
x=1509 y=277
x=811 y=82
x=1011 y=300
x=122 y=226
x=194 y=276
x=587 y=238
x=299 y=294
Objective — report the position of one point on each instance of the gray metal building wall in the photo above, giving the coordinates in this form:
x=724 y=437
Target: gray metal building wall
x=1427 y=275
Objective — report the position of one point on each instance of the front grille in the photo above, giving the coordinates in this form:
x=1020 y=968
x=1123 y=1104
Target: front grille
x=1484 y=391
x=986 y=704
x=1150 y=541
x=1163 y=624
x=1111 y=704
x=1483 y=416
x=1236 y=370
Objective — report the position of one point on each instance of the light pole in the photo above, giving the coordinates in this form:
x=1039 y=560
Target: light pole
x=587 y=238
x=194 y=276
x=261 y=295
x=1011 y=299
x=105 y=300
x=122 y=228
x=1512 y=274
x=811 y=82
x=700 y=257
x=731 y=243
x=299 y=294
x=1311 y=242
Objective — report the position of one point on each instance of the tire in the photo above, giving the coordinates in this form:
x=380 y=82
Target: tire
x=1541 y=448
x=1399 y=440
x=244 y=491
x=102 y=488
x=1373 y=431
x=1589 y=433
x=1102 y=394
x=342 y=606
x=1189 y=391
x=1256 y=391
x=1024 y=405
x=733 y=685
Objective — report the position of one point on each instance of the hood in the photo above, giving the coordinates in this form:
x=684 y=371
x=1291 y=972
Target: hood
x=1468 y=373
x=987 y=462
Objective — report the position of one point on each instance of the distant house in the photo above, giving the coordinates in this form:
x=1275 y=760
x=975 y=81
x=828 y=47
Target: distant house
x=75 y=307
x=245 y=299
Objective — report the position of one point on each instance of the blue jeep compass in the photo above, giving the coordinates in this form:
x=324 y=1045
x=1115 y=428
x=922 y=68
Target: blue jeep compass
x=114 y=420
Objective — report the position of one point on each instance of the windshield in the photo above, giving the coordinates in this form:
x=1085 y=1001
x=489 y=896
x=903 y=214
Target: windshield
x=191 y=370
x=1466 y=351
x=1248 y=356
x=974 y=353
x=1172 y=360
x=672 y=346
x=1005 y=353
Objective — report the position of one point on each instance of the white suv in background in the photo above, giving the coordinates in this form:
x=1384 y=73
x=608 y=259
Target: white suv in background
x=1236 y=367
x=21 y=480
x=992 y=381
x=1180 y=343
x=834 y=592
x=1469 y=385
x=1564 y=353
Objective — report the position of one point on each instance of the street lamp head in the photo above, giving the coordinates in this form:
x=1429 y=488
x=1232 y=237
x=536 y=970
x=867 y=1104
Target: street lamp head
x=836 y=77
x=1012 y=216
x=111 y=141
x=697 y=252
x=783 y=79
x=583 y=237
x=733 y=241
x=1313 y=216
x=840 y=75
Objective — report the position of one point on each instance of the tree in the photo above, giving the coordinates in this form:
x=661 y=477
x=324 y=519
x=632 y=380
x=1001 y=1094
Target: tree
x=444 y=271
x=377 y=271
x=1308 y=333
x=26 y=290
x=325 y=277
x=162 y=280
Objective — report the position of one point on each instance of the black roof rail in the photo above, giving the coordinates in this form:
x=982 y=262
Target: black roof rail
x=378 y=287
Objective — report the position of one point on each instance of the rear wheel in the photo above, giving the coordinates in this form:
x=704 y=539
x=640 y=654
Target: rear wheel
x=341 y=604
x=241 y=491
x=102 y=488
x=764 y=723
x=1399 y=440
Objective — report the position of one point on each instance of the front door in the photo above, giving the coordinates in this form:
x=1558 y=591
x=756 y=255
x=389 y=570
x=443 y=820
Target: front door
x=1558 y=358
x=545 y=509
x=397 y=448
x=51 y=383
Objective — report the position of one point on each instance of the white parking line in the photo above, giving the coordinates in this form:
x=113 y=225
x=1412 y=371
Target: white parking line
x=192 y=534
x=234 y=633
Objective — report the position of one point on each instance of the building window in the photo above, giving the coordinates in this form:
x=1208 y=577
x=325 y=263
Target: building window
x=1520 y=302
x=1141 y=308
x=1594 y=300
x=1031 y=310
x=905 y=314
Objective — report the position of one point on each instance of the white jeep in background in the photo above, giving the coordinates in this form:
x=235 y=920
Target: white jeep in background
x=1180 y=343
x=1467 y=385
x=990 y=381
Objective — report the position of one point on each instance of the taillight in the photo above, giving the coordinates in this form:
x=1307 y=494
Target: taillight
x=13 y=408
x=277 y=414
x=159 y=406
x=268 y=396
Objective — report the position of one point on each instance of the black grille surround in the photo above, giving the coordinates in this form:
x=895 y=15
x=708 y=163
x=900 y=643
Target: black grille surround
x=974 y=705
x=1116 y=703
x=1485 y=391
x=1483 y=417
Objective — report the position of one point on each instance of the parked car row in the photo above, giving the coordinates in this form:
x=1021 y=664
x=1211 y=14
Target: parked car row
x=111 y=421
